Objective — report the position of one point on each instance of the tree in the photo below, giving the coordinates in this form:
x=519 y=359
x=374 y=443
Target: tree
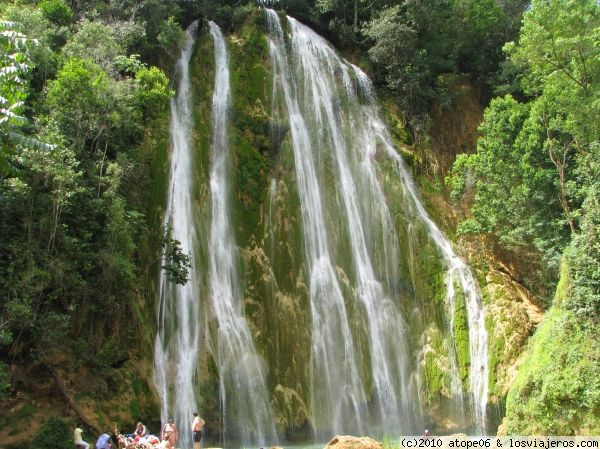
x=171 y=36
x=57 y=12
x=512 y=181
x=15 y=66
x=94 y=41
x=153 y=93
x=43 y=57
x=583 y=254
x=531 y=171
x=85 y=118
x=177 y=264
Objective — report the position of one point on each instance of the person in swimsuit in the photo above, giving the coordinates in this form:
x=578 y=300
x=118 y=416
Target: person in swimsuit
x=170 y=433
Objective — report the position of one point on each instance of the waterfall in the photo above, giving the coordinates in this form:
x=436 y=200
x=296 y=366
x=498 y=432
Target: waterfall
x=177 y=339
x=330 y=125
x=244 y=401
x=365 y=372
x=337 y=394
x=315 y=91
x=457 y=272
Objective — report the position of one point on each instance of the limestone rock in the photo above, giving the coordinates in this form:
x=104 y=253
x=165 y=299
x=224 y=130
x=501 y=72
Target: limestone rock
x=350 y=442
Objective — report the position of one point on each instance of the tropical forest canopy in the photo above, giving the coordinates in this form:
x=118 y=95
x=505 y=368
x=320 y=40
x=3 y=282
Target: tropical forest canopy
x=85 y=88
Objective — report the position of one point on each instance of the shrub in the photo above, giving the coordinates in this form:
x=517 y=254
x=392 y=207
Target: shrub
x=53 y=434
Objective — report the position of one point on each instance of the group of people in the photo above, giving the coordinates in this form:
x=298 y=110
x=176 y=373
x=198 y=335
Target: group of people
x=141 y=438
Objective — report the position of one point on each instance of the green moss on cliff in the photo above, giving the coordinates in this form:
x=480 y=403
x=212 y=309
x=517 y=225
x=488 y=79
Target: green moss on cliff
x=557 y=390
x=461 y=335
x=202 y=74
x=435 y=363
x=250 y=87
x=496 y=346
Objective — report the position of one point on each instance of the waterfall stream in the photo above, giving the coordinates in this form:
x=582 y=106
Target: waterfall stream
x=312 y=89
x=177 y=340
x=243 y=393
x=327 y=121
x=458 y=273
x=337 y=393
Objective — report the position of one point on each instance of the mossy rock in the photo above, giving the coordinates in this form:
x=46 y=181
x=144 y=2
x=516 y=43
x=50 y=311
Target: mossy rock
x=557 y=390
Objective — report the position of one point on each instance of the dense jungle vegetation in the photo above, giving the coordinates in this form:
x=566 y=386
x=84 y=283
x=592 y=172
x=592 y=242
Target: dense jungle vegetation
x=84 y=92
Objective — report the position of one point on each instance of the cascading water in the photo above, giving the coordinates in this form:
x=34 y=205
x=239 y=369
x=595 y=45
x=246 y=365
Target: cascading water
x=318 y=82
x=337 y=395
x=328 y=123
x=365 y=372
x=244 y=401
x=456 y=270
x=177 y=339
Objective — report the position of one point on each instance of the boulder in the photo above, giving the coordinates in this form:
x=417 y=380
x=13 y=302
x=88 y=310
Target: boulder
x=350 y=442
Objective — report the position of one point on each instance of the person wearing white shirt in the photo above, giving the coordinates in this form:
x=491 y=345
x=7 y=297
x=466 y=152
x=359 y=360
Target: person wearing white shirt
x=77 y=438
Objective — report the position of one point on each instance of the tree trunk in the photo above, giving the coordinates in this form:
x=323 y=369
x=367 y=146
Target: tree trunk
x=72 y=404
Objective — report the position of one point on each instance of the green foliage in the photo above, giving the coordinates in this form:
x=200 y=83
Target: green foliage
x=530 y=175
x=53 y=434
x=557 y=390
x=177 y=263
x=14 y=69
x=70 y=226
x=153 y=92
x=513 y=182
x=42 y=55
x=395 y=48
x=156 y=14
x=94 y=41
x=86 y=86
x=56 y=11
x=15 y=66
x=129 y=65
x=414 y=43
x=130 y=34
x=171 y=36
x=387 y=442
x=584 y=262
x=559 y=41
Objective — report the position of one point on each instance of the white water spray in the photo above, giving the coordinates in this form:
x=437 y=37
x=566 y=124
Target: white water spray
x=325 y=119
x=337 y=393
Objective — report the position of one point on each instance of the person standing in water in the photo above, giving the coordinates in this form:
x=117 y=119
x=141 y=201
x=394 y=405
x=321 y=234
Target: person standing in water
x=197 y=426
